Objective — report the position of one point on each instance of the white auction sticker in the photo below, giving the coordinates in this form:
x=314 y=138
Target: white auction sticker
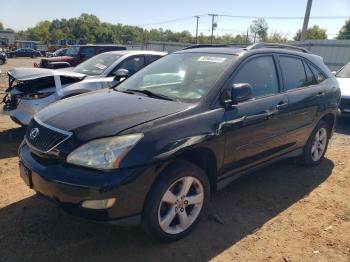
x=213 y=59
x=100 y=66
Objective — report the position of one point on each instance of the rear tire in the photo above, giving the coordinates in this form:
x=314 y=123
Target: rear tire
x=316 y=145
x=176 y=202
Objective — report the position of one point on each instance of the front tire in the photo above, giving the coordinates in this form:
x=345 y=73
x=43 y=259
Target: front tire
x=316 y=145
x=176 y=202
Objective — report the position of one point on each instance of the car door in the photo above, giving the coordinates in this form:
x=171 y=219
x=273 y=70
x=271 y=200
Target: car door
x=21 y=52
x=255 y=129
x=305 y=94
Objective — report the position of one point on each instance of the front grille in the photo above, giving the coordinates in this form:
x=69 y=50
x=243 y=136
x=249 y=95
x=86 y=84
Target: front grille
x=44 y=138
x=344 y=103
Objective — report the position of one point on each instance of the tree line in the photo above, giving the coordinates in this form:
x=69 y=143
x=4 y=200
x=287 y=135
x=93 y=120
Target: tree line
x=90 y=29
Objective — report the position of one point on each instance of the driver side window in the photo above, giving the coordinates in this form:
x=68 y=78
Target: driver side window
x=260 y=73
x=132 y=64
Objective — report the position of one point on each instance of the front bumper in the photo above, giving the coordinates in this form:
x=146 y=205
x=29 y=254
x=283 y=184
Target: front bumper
x=25 y=110
x=71 y=185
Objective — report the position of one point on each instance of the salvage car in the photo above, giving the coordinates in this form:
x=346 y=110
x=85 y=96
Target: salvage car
x=77 y=54
x=343 y=77
x=152 y=149
x=23 y=52
x=31 y=89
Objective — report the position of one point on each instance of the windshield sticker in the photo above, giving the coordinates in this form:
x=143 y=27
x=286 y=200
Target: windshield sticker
x=100 y=66
x=212 y=59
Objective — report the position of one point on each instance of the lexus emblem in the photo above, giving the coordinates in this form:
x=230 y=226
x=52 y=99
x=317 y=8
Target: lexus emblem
x=33 y=133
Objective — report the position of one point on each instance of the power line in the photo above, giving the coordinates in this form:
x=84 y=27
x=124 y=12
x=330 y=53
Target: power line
x=171 y=21
x=286 y=17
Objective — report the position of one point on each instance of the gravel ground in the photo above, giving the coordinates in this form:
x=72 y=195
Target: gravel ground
x=282 y=213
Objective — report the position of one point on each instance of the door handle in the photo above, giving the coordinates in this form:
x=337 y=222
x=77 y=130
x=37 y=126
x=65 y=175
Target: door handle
x=320 y=94
x=265 y=115
x=281 y=105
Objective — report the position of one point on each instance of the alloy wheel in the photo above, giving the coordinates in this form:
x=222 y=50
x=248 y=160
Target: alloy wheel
x=180 y=205
x=319 y=144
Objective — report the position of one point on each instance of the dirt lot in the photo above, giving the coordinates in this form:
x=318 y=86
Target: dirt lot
x=281 y=213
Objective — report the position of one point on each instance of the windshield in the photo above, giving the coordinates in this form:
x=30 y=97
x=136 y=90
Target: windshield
x=97 y=64
x=186 y=76
x=344 y=72
x=72 y=51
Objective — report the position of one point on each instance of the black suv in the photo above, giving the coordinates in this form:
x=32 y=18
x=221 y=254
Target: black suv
x=152 y=149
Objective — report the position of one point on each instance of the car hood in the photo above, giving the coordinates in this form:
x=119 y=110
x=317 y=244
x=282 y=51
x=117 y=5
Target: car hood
x=30 y=73
x=344 y=84
x=106 y=112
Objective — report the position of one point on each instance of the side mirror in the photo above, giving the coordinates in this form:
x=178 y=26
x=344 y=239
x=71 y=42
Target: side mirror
x=334 y=73
x=241 y=92
x=121 y=73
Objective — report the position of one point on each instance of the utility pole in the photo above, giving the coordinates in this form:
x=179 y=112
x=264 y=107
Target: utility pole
x=213 y=26
x=306 y=21
x=197 y=17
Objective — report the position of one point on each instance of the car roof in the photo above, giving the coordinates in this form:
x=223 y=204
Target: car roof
x=136 y=52
x=234 y=50
x=213 y=50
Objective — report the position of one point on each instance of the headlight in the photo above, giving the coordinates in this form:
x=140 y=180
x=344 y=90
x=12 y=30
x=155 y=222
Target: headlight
x=35 y=96
x=104 y=153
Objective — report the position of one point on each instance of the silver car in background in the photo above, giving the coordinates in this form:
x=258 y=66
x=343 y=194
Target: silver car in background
x=343 y=77
x=32 y=89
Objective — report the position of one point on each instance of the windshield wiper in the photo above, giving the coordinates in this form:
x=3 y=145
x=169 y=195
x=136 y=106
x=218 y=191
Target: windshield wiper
x=147 y=93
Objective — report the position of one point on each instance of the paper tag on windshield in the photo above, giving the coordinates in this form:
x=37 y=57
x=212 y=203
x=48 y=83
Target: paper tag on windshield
x=100 y=66
x=213 y=59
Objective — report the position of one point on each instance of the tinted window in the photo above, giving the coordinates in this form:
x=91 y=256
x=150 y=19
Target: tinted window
x=294 y=72
x=88 y=52
x=310 y=79
x=260 y=73
x=318 y=74
x=153 y=58
x=133 y=64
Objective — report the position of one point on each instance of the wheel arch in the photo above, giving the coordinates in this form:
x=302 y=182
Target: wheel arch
x=330 y=120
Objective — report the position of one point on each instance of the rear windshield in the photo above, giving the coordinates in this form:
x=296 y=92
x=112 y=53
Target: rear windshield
x=344 y=72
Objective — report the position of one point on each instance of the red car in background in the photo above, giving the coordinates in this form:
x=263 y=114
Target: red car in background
x=77 y=54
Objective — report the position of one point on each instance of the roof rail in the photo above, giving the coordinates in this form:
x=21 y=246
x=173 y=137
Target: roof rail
x=209 y=45
x=275 y=45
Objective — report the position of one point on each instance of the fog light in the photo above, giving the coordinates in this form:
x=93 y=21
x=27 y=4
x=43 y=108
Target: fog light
x=99 y=204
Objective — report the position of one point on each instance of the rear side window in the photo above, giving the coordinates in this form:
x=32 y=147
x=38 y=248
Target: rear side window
x=88 y=52
x=310 y=79
x=293 y=71
x=318 y=74
x=260 y=73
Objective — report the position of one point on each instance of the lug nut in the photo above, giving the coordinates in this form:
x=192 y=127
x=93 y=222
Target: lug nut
x=186 y=202
x=181 y=209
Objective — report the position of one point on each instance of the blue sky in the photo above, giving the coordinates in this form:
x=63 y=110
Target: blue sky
x=20 y=14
